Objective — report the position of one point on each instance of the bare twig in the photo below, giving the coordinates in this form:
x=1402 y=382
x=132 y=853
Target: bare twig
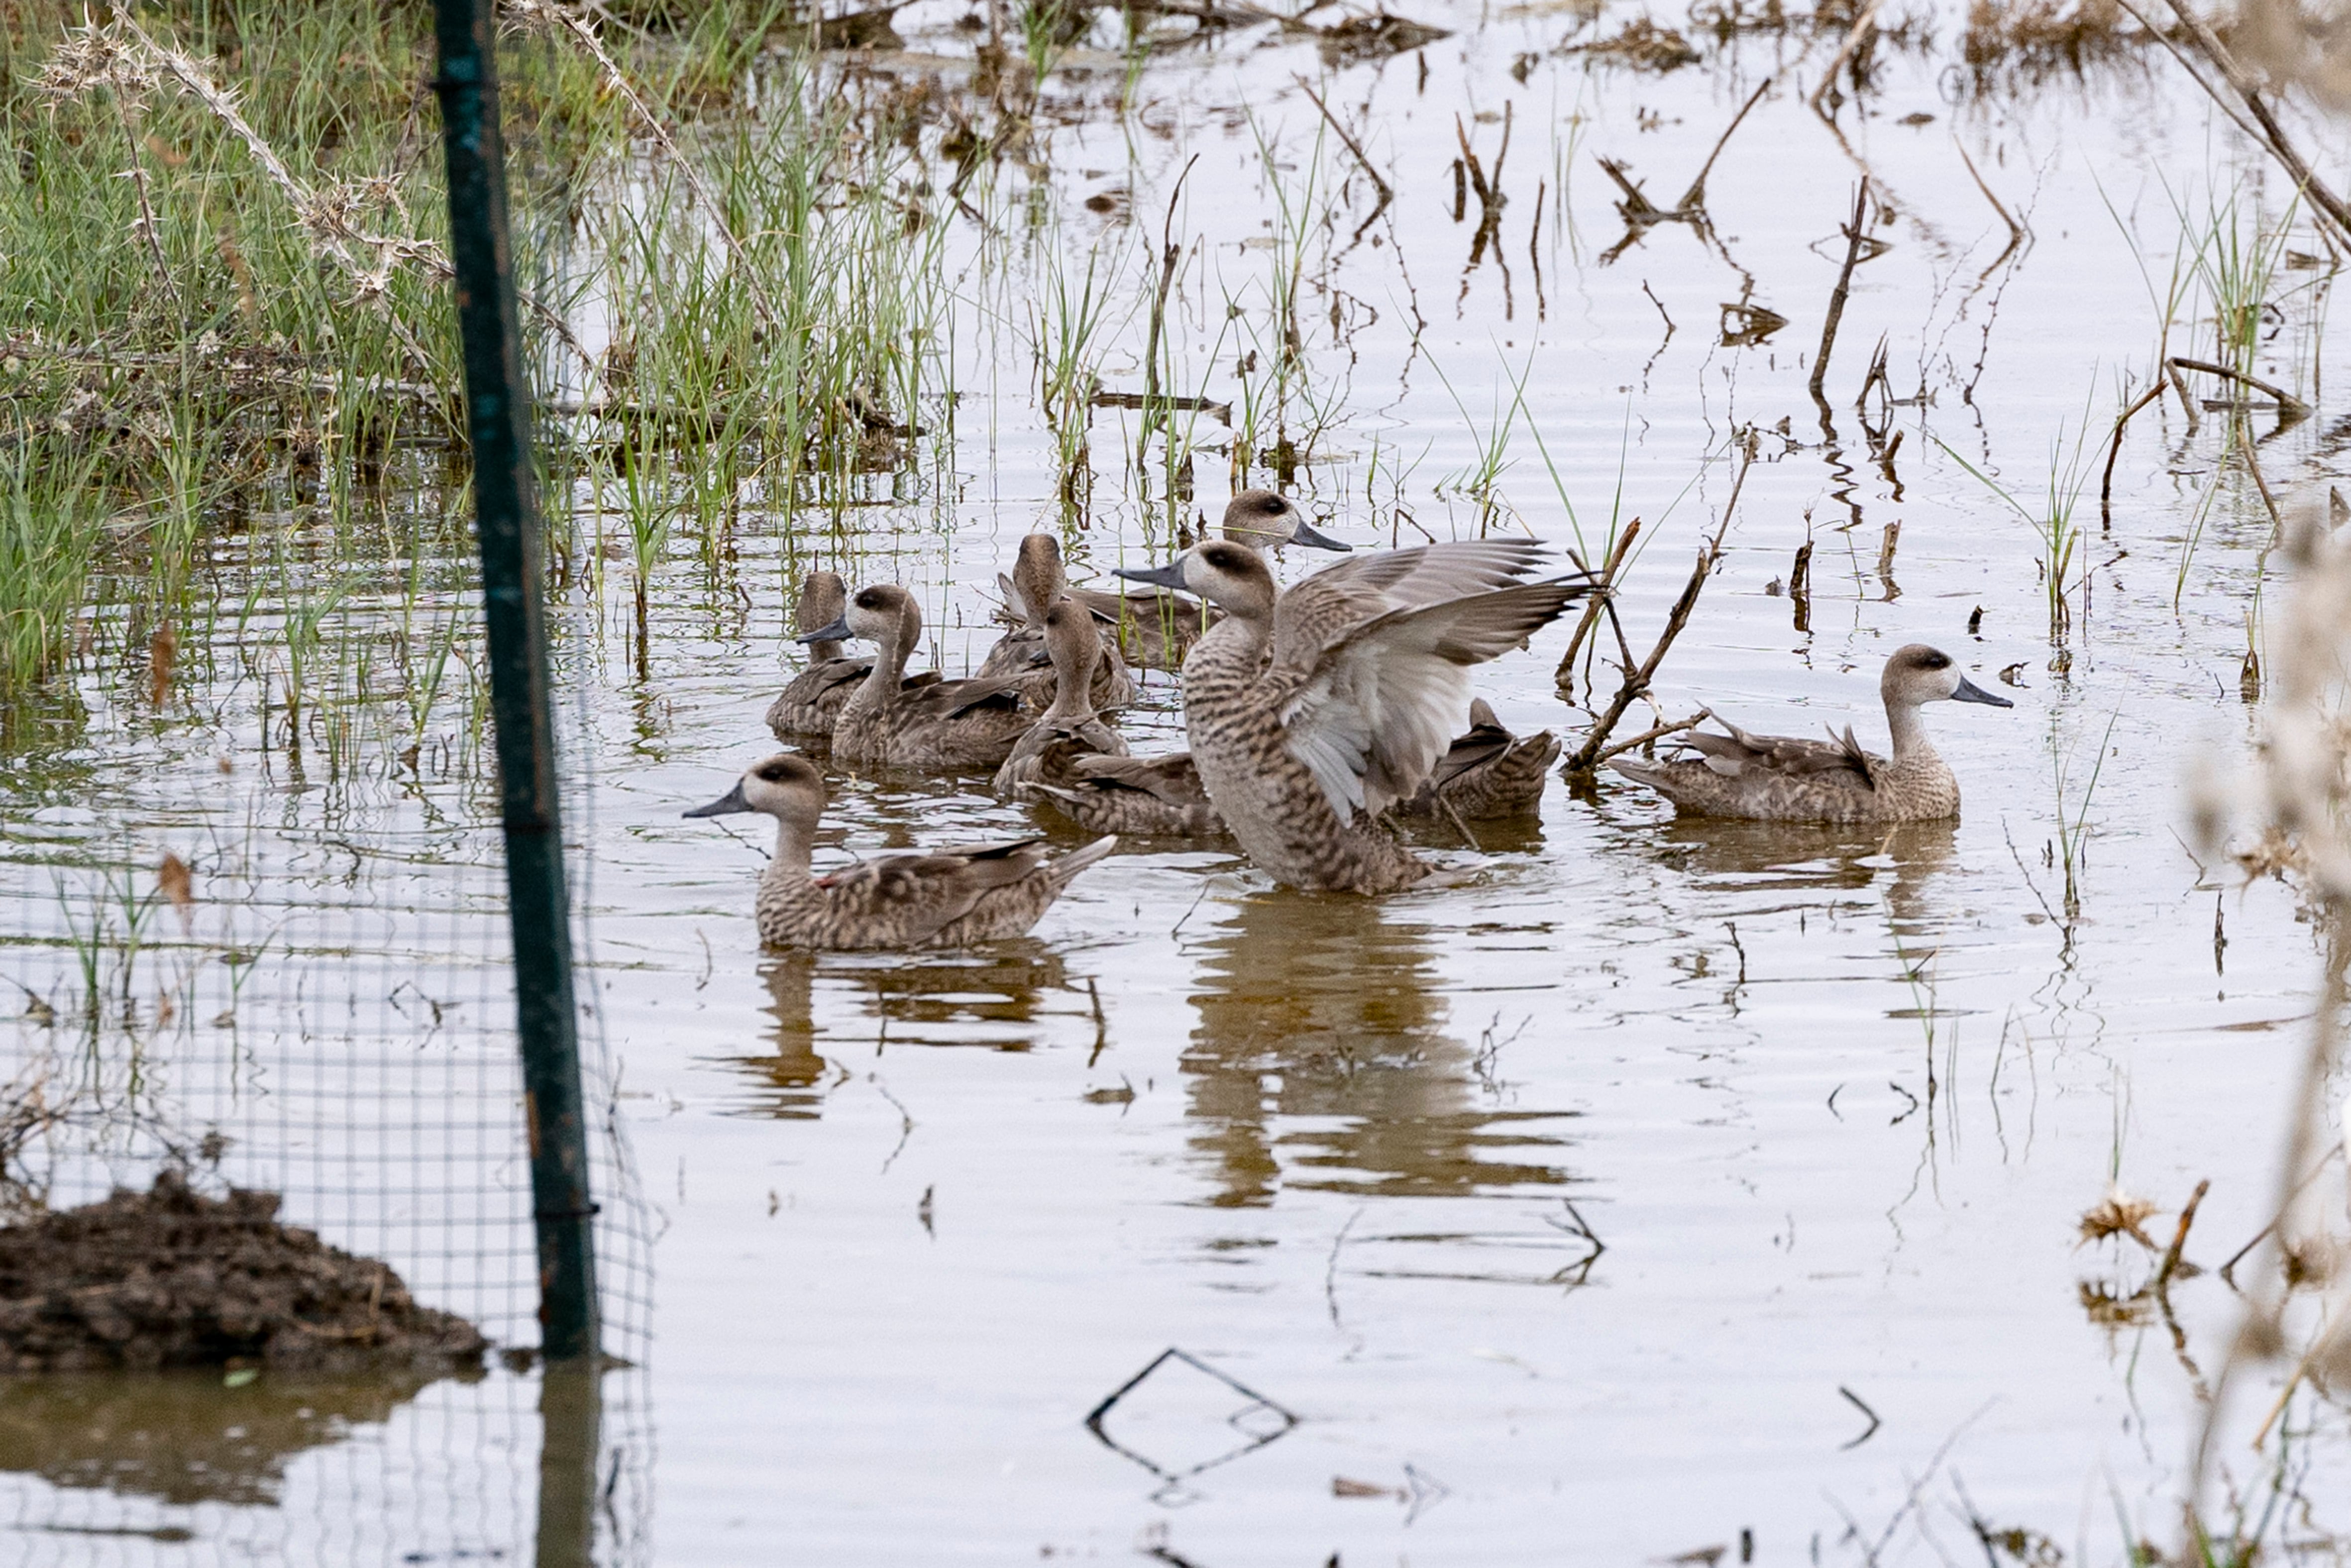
x=1694 y=199
x=1855 y=237
x=1646 y=736
x=1593 y=606
x=2249 y=94
x=2179 y=1237
x=2290 y=407
x=1637 y=678
x=1862 y=26
x=2115 y=448
x=2253 y=467
x=2015 y=230
x=1170 y=252
x=1378 y=183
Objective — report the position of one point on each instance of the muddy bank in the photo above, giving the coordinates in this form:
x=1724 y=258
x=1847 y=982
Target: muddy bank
x=171 y=1278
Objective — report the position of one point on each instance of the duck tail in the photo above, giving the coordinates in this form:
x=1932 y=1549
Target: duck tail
x=1639 y=772
x=1067 y=868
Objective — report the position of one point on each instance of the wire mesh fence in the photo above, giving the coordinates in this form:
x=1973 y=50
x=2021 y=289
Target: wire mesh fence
x=268 y=955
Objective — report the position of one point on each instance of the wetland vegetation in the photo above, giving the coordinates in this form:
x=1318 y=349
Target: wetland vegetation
x=1887 y=1184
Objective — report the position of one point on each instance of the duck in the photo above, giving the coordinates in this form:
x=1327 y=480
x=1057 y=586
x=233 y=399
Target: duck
x=808 y=707
x=1135 y=797
x=1779 y=779
x=968 y=724
x=1071 y=721
x=1487 y=773
x=1036 y=584
x=943 y=898
x=1311 y=711
x=1156 y=631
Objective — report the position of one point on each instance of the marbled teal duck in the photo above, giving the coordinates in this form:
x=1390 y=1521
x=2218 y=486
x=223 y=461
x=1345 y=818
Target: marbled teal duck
x=1153 y=796
x=1036 y=584
x=812 y=703
x=1156 y=631
x=1487 y=773
x=1311 y=711
x=1077 y=651
x=970 y=724
x=947 y=898
x=1779 y=779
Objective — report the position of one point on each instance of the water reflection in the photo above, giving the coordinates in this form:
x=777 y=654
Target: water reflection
x=1321 y=1060
x=990 y=997
x=1898 y=863
x=184 y=1437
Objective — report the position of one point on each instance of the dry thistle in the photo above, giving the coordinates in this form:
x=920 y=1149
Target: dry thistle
x=2118 y=1214
x=179 y=885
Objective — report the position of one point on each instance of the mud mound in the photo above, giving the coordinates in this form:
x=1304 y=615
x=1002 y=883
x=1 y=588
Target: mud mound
x=171 y=1278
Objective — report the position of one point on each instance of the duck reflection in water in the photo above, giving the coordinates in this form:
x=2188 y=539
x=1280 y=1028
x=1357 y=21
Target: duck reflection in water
x=1899 y=863
x=988 y=998
x=1324 y=1013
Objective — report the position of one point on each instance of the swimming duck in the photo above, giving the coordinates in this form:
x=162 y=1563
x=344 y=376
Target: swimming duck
x=1368 y=660
x=1142 y=796
x=812 y=703
x=1487 y=773
x=947 y=898
x=1077 y=651
x=1779 y=778
x=946 y=724
x=1036 y=583
x=1156 y=630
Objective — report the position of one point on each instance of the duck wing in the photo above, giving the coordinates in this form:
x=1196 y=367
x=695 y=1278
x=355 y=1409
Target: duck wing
x=1374 y=710
x=1150 y=607
x=1325 y=607
x=1015 y=607
x=1173 y=778
x=1739 y=752
x=1485 y=742
x=917 y=894
x=951 y=699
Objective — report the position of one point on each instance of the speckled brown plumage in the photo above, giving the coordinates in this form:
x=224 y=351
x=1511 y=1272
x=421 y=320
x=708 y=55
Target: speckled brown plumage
x=1036 y=584
x=1158 y=796
x=1156 y=630
x=1310 y=713
x=1487 y=772
x=972 y=724
x=1070 y=721
x=943 y=898
x=1786 y=779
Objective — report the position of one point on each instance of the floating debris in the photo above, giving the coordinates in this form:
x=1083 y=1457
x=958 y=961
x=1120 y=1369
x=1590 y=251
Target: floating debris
x=1644 y=46
x=1376 y=37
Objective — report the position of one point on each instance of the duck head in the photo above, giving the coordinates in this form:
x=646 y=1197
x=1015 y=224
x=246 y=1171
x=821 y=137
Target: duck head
x=1232 y=576
x=881 y=614
x=784 y=787
x=822 y=599
x=1037 y=575
x=1263 y=520
x=1072 y=641
x=1918 y=673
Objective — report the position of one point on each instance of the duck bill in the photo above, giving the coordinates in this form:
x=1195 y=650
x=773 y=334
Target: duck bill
x=1969 y=692
x=726 y=805
x=1169 y=576
x=1312 y=539
x=838 y=632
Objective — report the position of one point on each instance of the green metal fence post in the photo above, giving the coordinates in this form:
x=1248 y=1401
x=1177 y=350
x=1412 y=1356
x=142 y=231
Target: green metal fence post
x=505 y=502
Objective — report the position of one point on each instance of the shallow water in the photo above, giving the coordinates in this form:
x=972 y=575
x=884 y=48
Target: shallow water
x=1659 y=1182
